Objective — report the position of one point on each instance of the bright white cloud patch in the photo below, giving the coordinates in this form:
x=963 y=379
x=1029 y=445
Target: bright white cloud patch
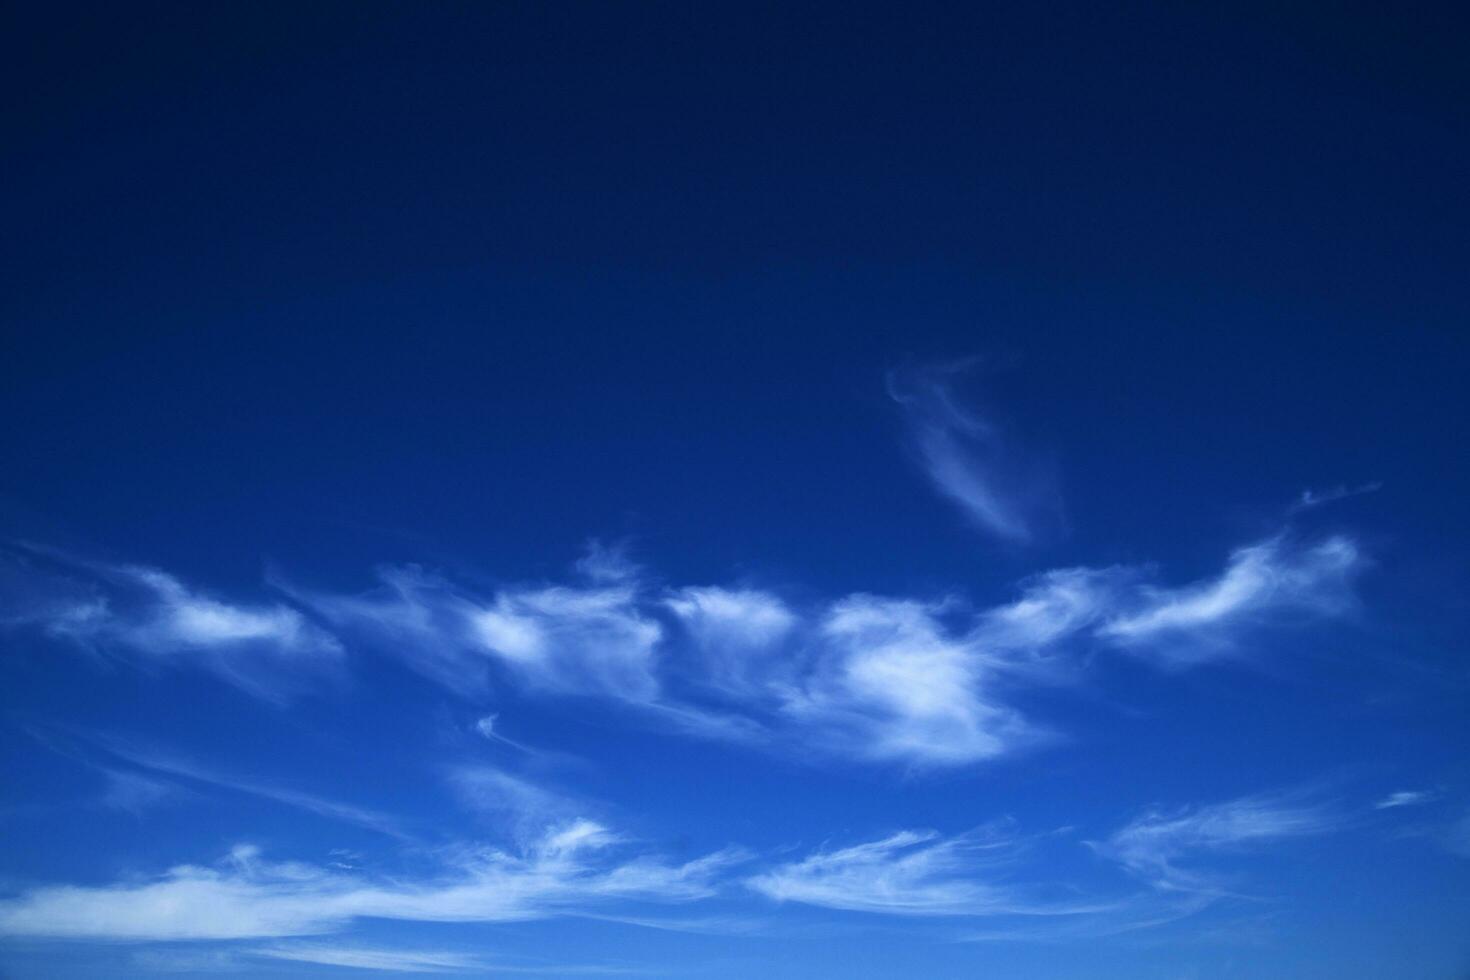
x=893 y=682
x=574 y=640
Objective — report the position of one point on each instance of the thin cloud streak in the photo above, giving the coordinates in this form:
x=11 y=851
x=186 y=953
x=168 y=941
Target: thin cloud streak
x=1406 y=798
x=158 y=761
x=968 y=458
x=571 y=868
x=1153 y=846
x=912 y=873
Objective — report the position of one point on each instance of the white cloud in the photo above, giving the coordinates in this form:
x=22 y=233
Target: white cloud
x=607 y=564
x=735 y=633
x=892 y=683
x=969 y=460
x=889 y=679
x=417 y=960
x=556 y=639
x=571 y=868
x=413 y=615
x=910 y=873
x=1309 y=498
x=365 y=958
x=1054 y=606
x=1152 y=846
x=574 y=640
x=264 y=648
x=1405 y=798
x=742 y=618
x=1261 y=582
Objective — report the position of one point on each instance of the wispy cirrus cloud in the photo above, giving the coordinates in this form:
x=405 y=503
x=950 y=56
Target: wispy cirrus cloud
x=520 y=806
x=1270 y=581
x=576 y=866
x=922 y=681
x=265 y=648
x=1157 y=845
x=1406 y=798
x=155 y=761
x=373 y=958
x=1003 y=491
x=909 y=873
x=1309 y=498
x=570 y=639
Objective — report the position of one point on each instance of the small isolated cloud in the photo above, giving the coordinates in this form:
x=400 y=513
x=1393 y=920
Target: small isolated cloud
x=970 y=459
x=1153 y=846
x=1405 y=798
x=1309 y=499
x=605 y=564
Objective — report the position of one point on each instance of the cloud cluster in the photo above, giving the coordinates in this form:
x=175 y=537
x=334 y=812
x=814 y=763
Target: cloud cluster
x=891 y=679
x=577 y=867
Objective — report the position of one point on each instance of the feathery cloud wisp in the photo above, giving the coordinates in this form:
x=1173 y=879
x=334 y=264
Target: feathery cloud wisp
x=1151 y=846
x=1405 y=798
x=1262 y=582
x=570 y=868
x=913 y=873
x=969 y=460
x=264 y=647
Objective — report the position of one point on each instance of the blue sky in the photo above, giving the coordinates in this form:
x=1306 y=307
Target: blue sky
x=729 y=491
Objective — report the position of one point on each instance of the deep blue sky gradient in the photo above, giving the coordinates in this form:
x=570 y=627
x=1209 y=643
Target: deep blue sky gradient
x=294 y=294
